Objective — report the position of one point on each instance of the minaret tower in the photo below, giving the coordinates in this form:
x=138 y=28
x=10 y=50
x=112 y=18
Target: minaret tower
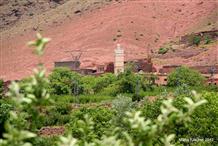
x=119 y=60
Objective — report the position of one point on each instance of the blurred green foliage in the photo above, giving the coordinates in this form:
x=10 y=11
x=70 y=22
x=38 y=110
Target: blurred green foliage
x=1 y=88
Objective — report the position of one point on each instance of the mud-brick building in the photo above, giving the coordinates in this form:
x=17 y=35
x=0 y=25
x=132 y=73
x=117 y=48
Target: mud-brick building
x=109 y=67
x=87 y=71
x=163 y=73
x=142 y=65
x=209 y=72
x=73 y=65
x=168 y=69
x=97 y=70
x=161 y=79
x=138 y=65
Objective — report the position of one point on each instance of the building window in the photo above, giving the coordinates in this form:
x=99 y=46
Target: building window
x=165 y=79
x=101 y=69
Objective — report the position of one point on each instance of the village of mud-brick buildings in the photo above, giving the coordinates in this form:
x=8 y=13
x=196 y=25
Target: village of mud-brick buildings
x=142 y=66
x=139 y=66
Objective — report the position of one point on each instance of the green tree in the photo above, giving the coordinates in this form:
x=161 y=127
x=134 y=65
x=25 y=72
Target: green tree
x=204 y=119
x=88 y=83
x=104 y=81
x=4 y=115
x=1 y=88
x=127 y=82
x=64 y=81
x=185 y=75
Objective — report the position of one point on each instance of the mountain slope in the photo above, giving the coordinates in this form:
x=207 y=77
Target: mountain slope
x=139 y=25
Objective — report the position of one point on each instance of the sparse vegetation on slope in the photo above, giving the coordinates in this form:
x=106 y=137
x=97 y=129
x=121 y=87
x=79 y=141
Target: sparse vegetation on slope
x=95 y=26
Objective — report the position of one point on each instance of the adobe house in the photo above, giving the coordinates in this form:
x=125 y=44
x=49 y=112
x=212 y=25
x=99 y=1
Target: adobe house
x=87 y=71
x=212 y=81
x=100 y=69
x=209 y=72
x=168 y=69
x=163 y=73
x=161 y=79
x=97 y=70
x=73 y=65
x=141 y=65
x=109 y=67
x=206 y=69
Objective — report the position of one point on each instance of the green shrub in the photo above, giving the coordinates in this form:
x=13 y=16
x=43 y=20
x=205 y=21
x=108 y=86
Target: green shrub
x=205 y=122
x=104 y=81
x=45 y=141
x=57 y=115
x=81 y=99
x=62 y=108
x=100 y=122
x=138 y=95
x=111 y=90
x=62 y=98
x=55 y=119
x=163 y=50
x=4 y=115
x=203 y=125
x=88 y=83
x=211 y=88
x=127 y=82
x=121 y=105
x=196 y=40
x=185 y=75
x=148 y=82
x=1 y=88
x=151 y=110
x=93 y=85
x=64 y=81
x=208 y=40
x=183 y=90
x=92 y=98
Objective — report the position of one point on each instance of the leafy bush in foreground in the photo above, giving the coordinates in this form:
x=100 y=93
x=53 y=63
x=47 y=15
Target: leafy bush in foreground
x=4 y=116
x=140 y=131
x=205 y=124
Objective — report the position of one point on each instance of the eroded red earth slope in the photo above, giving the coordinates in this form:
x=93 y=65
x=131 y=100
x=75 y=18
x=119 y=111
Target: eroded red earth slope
x=138 y=25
